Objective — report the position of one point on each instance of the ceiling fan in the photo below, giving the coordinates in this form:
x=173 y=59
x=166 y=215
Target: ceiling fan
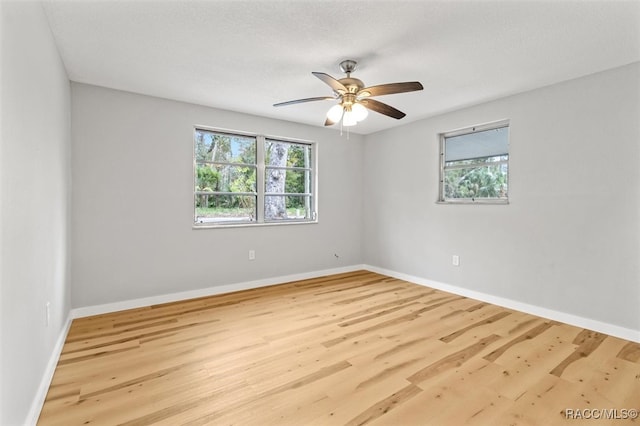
x=354 y=98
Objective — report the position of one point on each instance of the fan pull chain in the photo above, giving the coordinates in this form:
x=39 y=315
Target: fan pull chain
x=341 y=132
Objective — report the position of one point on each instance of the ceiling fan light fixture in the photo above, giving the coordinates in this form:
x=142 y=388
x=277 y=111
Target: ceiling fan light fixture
x=349 y=118
x=335 y=113
x=359 y=112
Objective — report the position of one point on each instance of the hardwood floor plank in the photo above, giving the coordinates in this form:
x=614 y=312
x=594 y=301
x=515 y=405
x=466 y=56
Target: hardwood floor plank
x=527 y=362
x=588 y=341
x=494 y=355
x=630 y=352
x=375 y=315
x=385 y=405
x=376 y=327
x=453 y=360
x=349 y=402
x=461 y=331
x=611 y=382
x=392 y=303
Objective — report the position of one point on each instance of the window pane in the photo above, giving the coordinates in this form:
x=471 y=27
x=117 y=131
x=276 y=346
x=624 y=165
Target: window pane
x=487 y=143
x=287 y=154
x=220 y=147
x=283 y=207
x=280 y=155
x=295 y=181
x=299 y=156
x=225 y=208
x=476 y=182
x=225 y=178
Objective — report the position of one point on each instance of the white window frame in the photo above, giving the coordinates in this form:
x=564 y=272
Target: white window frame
x=443 y=168
x=261 y=166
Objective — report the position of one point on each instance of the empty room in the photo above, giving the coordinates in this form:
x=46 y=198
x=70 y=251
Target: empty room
x=324 y=212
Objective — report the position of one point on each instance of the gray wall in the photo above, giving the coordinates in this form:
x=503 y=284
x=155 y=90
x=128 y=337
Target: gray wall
x=133 y=202
x=569 y=239
x=34 y=197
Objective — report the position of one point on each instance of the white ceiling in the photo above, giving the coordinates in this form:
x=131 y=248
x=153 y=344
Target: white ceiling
x=247 y=55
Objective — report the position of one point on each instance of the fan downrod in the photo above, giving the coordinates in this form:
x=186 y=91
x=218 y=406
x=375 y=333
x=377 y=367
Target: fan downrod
x=353 y=85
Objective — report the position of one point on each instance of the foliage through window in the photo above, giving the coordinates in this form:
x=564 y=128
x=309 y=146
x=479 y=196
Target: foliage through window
x=474 y=164
x=252 y=179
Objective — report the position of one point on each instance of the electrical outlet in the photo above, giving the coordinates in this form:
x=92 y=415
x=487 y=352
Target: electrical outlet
x=252 y=255
x=455 y=260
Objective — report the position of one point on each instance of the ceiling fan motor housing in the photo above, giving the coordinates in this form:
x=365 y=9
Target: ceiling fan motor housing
x=353 y=85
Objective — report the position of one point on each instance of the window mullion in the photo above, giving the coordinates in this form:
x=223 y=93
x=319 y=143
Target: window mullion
x=260 y=185
x=289 y=194
x=224 y=193
x=222 y=163
x=475 y=165
x=298 y=169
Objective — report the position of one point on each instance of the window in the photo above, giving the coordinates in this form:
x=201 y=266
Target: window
x=252 y=179
x=474 y=164
x=288 y=181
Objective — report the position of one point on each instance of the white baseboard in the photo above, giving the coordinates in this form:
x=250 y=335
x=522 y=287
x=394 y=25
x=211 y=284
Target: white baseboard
x=599 y=326
x=45 y=382
x=204 y=292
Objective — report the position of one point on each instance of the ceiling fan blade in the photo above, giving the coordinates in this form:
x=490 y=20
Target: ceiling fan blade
x=382 y=108
x=299 y=101
x=391 y=88
x=332 y=82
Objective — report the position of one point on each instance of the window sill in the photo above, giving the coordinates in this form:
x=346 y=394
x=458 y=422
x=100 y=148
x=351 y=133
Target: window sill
x=470 y=201
x=252 y=224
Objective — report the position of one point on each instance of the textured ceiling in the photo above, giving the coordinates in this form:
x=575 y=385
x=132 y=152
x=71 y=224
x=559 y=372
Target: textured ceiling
x=247 y=55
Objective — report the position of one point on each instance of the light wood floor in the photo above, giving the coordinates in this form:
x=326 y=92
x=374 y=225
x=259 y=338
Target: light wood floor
x=349 y=349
